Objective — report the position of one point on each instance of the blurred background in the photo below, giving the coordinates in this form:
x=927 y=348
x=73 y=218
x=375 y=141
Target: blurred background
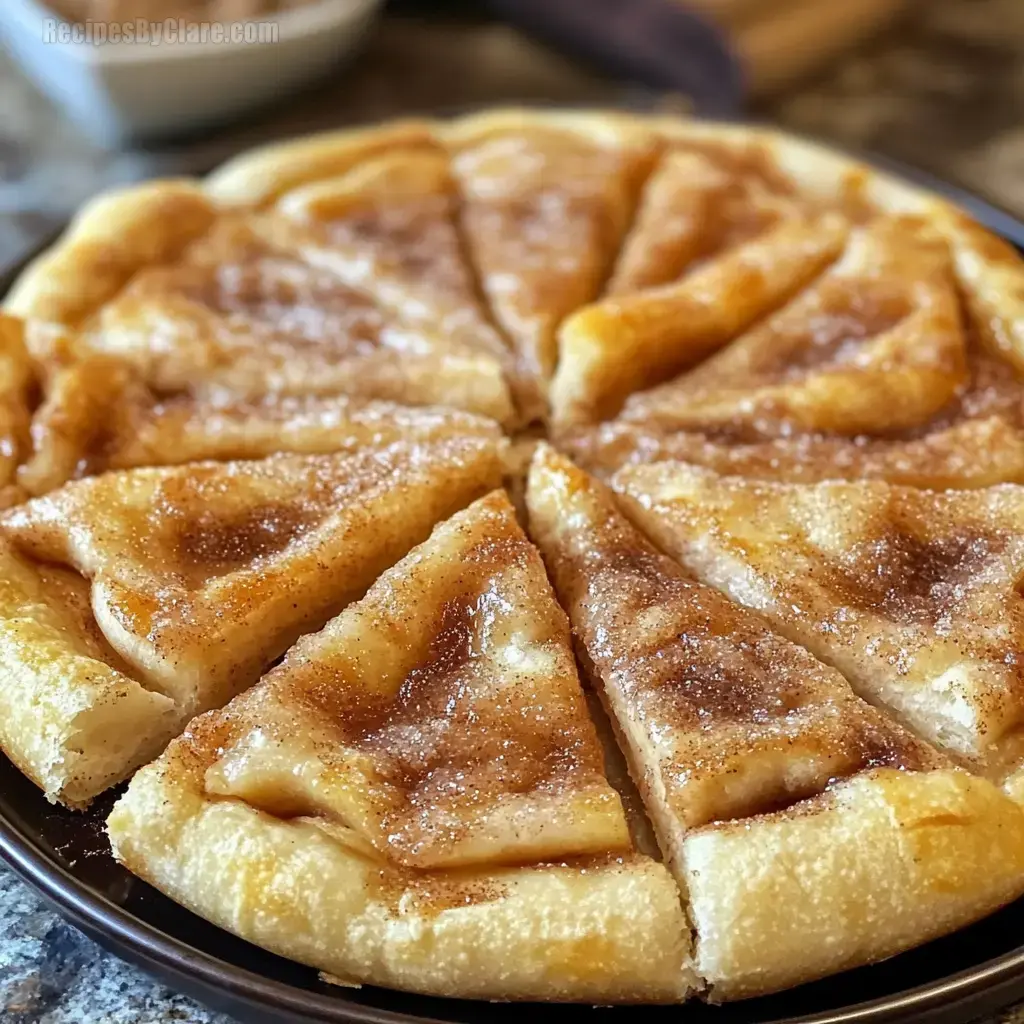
x=935 y=84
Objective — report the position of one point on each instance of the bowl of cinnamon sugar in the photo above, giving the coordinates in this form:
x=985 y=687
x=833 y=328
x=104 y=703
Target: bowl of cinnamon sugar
x=143 y=69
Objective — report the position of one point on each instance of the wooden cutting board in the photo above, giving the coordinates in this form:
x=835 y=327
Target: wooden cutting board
x=780 y=41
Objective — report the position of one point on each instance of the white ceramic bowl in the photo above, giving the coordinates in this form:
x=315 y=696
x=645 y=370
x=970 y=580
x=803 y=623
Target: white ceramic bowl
x=136 y=89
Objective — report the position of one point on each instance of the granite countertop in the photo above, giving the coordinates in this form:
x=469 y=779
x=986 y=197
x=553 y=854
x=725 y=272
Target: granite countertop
x=945 y=93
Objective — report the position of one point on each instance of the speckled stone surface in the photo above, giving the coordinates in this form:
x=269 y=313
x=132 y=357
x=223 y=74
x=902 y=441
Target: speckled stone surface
x=52 y=974
x=945 y=93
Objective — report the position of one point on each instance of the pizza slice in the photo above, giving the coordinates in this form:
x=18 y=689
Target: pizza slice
x=203 y=299
x=242 y=312
x=415 y=797
x=73 y=716
x=769 y=783
x=199 y=576
x=98 y=416
x=547 y=199
x=912 y=594
x=975 y=440
x=623 y=343
x=876 y=344
x=389 y=227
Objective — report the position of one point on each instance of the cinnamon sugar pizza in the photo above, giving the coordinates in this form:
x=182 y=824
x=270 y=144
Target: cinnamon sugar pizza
x=721 y=694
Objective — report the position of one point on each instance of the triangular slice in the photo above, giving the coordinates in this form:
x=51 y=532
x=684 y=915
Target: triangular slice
x=98 y=416
x=965 y=454
x=912 y=594
x=421 y=783
x=16 y=381
x=547 y=200
x=440 y=717
x=389 y=227
x=877 y=344
x=241 y=311
x=202 y=575
x=612 y=348
x=976 y=440
x=201 y=298
x=809 y=831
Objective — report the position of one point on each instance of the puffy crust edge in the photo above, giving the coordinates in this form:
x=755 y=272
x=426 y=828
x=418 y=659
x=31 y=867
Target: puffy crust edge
x=603 y=127
x=883 y=862
x=260 y=176
x=120 y=232
x=58 y=703
x=614 y=932
x=110 y=239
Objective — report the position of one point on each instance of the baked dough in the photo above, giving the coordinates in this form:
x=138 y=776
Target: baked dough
x=415 y=797
x=201 y=575
x=719 y=189
x=264 y=174
x=958 y=453
x=547 y=200
x=72 y=716
x=912 y=594
x=724 y=723
x=209 y=299
x=875 y=344
x=614 y=347
x=359 y=315
x=17 y=378
x=98 y=415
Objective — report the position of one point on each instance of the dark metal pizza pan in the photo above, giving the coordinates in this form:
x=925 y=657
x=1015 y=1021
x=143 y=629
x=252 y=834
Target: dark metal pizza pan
x=65 y=857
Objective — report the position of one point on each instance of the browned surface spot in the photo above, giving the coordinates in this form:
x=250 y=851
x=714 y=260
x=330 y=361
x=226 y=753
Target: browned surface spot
x=430 y=893
x=210 y=543
x=244 y=278
x=460 y=731
x=835 y=331
x=910 y=579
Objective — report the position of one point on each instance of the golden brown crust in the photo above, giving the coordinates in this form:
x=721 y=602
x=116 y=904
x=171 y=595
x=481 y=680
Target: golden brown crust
x=965 y=454
x=199 y=577
x=275 y=306
x=718 y=186
x=546 y=201
x=876 y=343
x=107 y=243
x=595 y=932
x=203 y=574
x=725 y=718
x=260 y=176
x=612 y=348
x=439 y=717
x=885 y=861
x=72 y=717
x=243 y=311
x=99 y=416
